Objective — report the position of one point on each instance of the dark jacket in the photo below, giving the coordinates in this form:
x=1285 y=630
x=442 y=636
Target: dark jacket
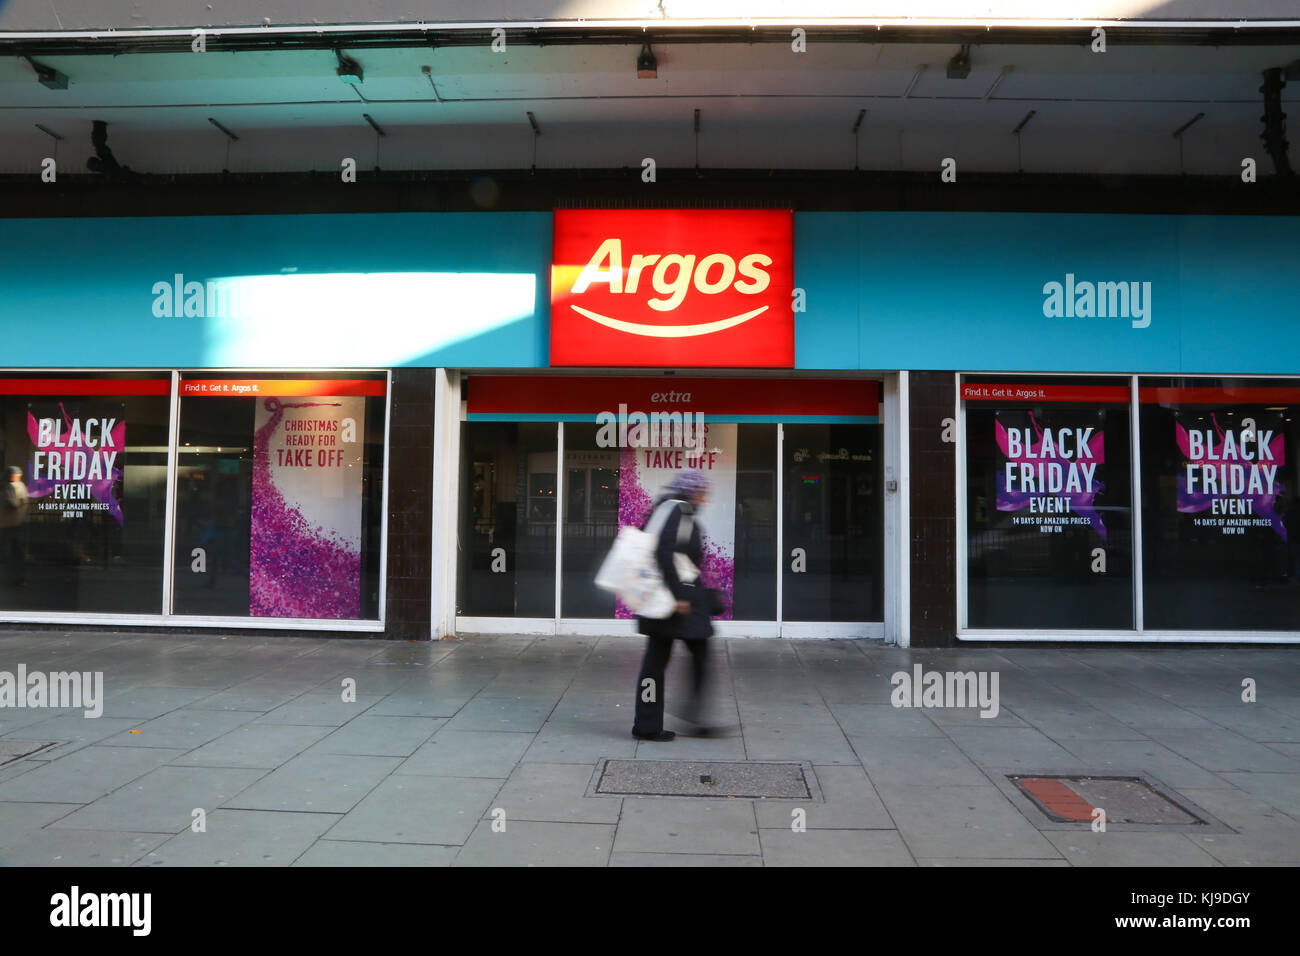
x=685 y=626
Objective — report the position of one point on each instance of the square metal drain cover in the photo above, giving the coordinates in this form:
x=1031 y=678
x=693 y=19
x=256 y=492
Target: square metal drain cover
x=1122 y=799
x=11 y=750
x=711 y=778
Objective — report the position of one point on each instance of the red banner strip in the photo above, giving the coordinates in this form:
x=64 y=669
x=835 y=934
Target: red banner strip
x=538 y=395
x=85 y=386
x=1220 y=396
x=1003 y=392
x=279 y=387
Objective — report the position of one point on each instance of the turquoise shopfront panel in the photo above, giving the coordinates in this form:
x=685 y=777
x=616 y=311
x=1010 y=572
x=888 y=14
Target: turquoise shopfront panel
x=971 y=291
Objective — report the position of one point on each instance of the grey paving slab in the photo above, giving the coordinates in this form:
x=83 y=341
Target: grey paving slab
x=324 y=709
x=242 y=838
x=916 y=761
x=683 y=859
x=420 y=702
x=818 y=743
x=687 y=825
x=51 y=847
x=785 y=847
x=357 y=853
x=1222 y=750
x=380 y=735
x=582 y=742
x=419 y=809
x=86 y=775
x=77 y=732
x=1066 y=722
x=851 y=803
x=468 y=753
x=252 y=696
x=962 y=821
x=1146 y=713
x=1145 y=756
x=524 y=843
x=183 y=729
x=1112 y=848
x=162 y=801
x=1265 y=835
x=14 y=720
x=1010 y=748
x=996 y=863
x=1281 y=790
x=555 y=793
x=19 y=821
x=884 y=720
x=145 y=703
x=255 y=745
x=731 y=747
x=316 y=783
x=1259 y=722
x=519 y=714
x=974 y=717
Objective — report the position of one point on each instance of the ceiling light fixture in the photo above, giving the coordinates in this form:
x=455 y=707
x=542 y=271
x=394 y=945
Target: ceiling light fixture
x=48 y=76
x=647 y=67
x=349 y=70
x=959 y=65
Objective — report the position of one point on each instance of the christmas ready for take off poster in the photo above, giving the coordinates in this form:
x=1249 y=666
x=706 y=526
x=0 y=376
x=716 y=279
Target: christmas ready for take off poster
x=646 y=472
x=305 y=540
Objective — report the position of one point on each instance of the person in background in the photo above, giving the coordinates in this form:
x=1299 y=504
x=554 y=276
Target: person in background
x=13 y=515
x=680 y=535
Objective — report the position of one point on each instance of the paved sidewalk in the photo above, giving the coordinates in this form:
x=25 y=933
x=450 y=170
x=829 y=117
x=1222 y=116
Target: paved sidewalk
x=254 y=731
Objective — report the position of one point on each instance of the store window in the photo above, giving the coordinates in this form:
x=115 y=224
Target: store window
x=611 y=448
x=507 y=531
x=1048 y=503
x=834 y=523
x=1220 y=504
x=279 y=498
x=87 y=535
x=606 y=486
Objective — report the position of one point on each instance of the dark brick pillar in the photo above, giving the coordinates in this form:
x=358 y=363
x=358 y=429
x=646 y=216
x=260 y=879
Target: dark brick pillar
x=410 y=505
x=934 y=510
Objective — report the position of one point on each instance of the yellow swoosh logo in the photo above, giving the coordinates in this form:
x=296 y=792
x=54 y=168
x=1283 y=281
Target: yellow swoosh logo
x=668 y=331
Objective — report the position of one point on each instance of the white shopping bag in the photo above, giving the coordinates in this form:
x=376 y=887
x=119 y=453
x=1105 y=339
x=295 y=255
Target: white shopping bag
x=631 y=571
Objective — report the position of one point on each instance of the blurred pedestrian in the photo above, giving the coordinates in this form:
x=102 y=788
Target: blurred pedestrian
x=679 y=555
x=13 y=515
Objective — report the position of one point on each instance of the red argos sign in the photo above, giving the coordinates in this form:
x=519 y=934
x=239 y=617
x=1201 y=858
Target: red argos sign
x=669 y=288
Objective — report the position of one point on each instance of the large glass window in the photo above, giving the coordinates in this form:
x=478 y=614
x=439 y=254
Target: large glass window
x=834 y=523
x=81 y=528
x=279 y=496
x=591 y=489
x=508 y=512
x=754 y=594
x=1221 y=504
x=1048 y=503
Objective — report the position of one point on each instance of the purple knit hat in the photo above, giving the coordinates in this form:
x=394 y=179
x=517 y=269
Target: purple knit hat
x=690 y=484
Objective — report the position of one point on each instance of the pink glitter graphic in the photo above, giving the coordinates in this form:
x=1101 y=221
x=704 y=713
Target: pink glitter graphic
x=296 y=570
x=634 y=504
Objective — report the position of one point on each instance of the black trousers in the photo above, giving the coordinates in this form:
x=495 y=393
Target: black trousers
x=650 y=713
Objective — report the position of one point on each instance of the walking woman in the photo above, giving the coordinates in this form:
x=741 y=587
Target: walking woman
x=679 y=537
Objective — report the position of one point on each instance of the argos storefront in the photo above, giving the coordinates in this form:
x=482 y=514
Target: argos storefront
x=921 y=427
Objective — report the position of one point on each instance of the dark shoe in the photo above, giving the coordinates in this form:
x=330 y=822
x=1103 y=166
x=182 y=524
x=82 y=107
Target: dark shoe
x=707 y=730
x=663 y=735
